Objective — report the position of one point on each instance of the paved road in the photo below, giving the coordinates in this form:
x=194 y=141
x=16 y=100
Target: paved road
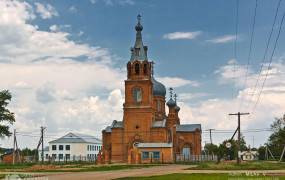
x=151 y=171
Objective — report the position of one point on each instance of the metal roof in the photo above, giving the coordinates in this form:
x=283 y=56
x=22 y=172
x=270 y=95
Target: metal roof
x=158 y=88
x=154 y=145
x=108 y=129
x=77 y=138
x=157 y=124
x=188 y=127
x=117 y=124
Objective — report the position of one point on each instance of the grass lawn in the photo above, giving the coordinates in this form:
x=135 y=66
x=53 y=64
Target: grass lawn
x=255 y=165
x=205 y=177
x=67 y=167
x=15 y=166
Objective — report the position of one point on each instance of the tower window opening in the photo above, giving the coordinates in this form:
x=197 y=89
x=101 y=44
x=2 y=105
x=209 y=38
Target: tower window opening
x=158 y=106
x=137 y=69
x=137 y=94
x=145 y=69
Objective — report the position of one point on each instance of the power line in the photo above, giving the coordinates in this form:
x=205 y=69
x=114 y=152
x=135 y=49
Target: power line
x=235 y=43
x=267 y=47
x=269 y=65
x=250 y=47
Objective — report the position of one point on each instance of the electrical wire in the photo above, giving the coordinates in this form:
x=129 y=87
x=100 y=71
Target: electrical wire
x=270 y=62
x=250 y=49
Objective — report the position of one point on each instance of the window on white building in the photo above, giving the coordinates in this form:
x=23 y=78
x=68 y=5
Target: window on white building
x=60 y=147
x=53 y=156
x=53 y=147
x=67 y=147
x=60 y=156
x=67 y=156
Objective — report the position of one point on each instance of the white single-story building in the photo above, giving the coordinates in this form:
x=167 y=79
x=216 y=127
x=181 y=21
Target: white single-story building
x=72 y=147
x=249 y=155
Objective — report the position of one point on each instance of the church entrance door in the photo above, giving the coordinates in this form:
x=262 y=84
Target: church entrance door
x=186 y=153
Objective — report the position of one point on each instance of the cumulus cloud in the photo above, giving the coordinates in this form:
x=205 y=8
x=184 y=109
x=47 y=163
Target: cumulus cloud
x=222 y=39
x=55 y=80
x=45 y=11
x=213 y=112
x=177 y=82
x=182 y=35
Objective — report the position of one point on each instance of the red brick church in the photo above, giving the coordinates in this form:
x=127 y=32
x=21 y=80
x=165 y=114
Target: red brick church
x=146 y=133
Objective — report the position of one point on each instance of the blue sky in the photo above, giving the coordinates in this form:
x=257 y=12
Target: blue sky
x=111 y=25
x=69 y=57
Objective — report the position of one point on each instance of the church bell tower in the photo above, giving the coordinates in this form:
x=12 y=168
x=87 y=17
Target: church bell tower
x=138 y=87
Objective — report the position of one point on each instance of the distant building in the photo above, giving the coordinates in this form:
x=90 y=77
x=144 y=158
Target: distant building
x=7 y=156
x=72 y=147
x=249 y=155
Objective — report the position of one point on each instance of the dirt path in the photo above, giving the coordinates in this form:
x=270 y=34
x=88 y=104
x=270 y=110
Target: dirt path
x=106 y=175
x=151 y=171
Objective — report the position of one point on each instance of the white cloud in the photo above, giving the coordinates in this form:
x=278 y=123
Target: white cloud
x=93 y=1
x=114 y=2
x=222 y=39
x=54 y=28
x=177 y=82
x=46 y=11
x=182 y=35
x=72 y=9
x=190 y=96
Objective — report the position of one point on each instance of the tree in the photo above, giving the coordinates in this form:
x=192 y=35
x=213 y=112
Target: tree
x=261 y=152
x=211 y=148
x=276 y=140
x=6 y=117
x=231 y=153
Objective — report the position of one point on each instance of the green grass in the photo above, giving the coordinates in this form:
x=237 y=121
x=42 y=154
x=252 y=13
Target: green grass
x=16 y=166
x=255 y=165
x=81 y=167
x=95 y=168
x=205 y=177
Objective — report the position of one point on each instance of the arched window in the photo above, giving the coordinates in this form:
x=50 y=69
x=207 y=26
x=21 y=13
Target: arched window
x=137 y=94
x=158 y=105
x=145 y=69
x=137 y=68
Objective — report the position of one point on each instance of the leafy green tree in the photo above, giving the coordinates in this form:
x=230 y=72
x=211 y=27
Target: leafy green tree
x=261 y=152
x=231 y=153
x=28 y=152
x=211 y=148
x=6 y=117
x=276 y=140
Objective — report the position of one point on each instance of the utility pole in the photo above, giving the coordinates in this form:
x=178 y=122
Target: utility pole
x=14 y=143
x=42 y=141
x=210 y=130
x=238 y=128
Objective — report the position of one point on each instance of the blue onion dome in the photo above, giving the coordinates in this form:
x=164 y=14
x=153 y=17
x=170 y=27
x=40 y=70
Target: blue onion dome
x=158 y=88
x=139 y=27
x=171 y=103
x=177 y=108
